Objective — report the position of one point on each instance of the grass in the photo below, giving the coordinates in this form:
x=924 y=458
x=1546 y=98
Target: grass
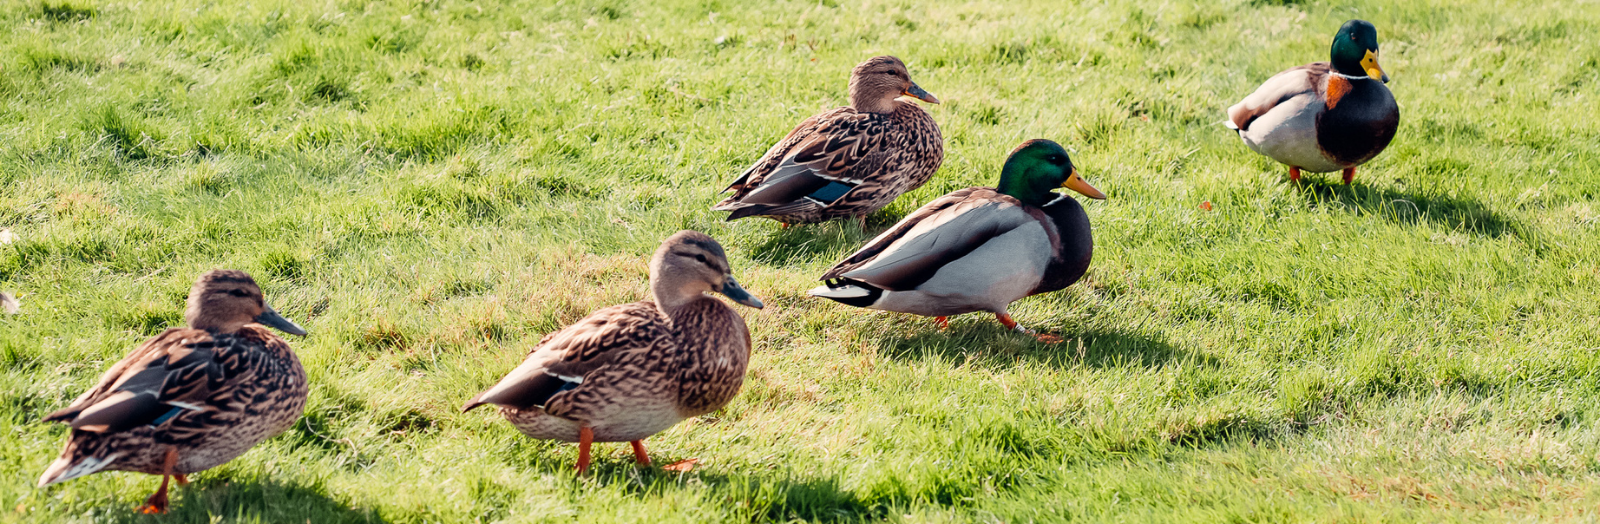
x=429 y=186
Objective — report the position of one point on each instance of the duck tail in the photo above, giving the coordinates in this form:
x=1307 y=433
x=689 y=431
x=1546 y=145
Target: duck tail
x=849 y=292
x=73 y=464
x=747 y=211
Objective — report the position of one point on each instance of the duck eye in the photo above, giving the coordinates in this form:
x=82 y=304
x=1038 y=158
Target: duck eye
x=238 y=293
x=700 y=257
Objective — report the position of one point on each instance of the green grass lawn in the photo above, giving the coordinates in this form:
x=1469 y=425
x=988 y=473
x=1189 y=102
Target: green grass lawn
x=429 y=186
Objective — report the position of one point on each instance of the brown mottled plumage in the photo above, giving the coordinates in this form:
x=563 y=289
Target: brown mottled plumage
x=190 y=398
x=849 y=161
x=629 y=371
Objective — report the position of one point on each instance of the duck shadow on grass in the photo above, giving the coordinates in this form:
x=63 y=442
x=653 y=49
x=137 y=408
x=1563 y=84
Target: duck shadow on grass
x=777 y=497
x=224 y=500
x=997 y=347
x=802 y=243
x=1405 y=207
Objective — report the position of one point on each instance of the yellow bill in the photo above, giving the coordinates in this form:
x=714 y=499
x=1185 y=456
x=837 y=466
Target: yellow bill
x=1076 y=183
x=1370 y=63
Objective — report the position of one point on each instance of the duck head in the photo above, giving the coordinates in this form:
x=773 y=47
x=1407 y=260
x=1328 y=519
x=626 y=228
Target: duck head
x=224 y=300
x=688 y=265
x=1038 y=167
x=1355 y=50
x=878 y=81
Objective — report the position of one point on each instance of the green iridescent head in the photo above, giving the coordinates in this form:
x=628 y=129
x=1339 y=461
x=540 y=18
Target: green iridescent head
x=1355 y=50
x=1036 y=168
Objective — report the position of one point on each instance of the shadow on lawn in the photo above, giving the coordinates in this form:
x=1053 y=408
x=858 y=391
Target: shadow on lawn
x=800 y=244
x=1411 y=208
x=990 y=345
x=223 y=500
x=760 y=498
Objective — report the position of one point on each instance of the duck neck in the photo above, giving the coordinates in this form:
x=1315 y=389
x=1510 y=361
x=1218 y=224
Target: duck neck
x=672 y=294
x=1016 y=182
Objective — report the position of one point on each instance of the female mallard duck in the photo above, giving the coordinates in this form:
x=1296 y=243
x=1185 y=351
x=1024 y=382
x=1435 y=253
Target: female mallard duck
x=977 y=249
x=1324 y=116
x=191 y=398
x=849 y=161
x=626 y=372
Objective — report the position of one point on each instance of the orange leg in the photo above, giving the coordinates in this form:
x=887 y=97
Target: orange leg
x=639 y=454
x=1294 y=174
x=783 y=225
x=1006 y=320
x=183 y=480
x=1349 y=175
x=1010 y=323
x=585 y=439
x=944 y=322
x=157 y=503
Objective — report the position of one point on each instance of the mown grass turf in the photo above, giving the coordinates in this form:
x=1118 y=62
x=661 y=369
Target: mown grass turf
x=430 y=186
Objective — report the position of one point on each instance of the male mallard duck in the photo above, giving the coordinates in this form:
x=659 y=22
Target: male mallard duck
x=190 y=398
x=1324 y=116
x=849 y=161
x=629 y=371
x=979 y=248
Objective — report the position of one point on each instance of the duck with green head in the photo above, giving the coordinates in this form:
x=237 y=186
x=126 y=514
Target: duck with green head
x=1325 y=116
x=979 y=248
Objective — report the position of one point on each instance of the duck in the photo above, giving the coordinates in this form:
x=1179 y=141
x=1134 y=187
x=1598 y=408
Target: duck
x=629 y=371
x=1323 y=116
x=190 y=398
x=849 y=161
x=979 y=248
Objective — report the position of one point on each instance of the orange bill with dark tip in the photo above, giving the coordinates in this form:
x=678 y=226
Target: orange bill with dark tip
x=1076 y=183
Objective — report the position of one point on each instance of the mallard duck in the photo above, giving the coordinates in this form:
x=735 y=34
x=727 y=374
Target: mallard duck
x=849 y=161
x=979 y=248
x=629 y=371
x=190 y=398
x=1324 y=116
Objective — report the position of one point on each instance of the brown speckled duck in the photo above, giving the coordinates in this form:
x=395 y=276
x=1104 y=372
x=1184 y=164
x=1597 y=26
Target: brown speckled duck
x=629 y=371
x=849 y=161
x=191 y=398
x=1325 y=116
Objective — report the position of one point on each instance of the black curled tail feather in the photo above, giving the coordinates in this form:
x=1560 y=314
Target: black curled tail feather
x=872 y=295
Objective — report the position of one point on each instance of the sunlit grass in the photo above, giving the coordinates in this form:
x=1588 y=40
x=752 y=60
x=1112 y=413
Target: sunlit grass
x=431 y=186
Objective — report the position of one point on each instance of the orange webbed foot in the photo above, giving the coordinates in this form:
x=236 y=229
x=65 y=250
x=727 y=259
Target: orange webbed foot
x=682 y=466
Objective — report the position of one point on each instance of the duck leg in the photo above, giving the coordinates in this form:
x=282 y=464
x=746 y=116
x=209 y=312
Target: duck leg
x=1349 y=175
x=182 y=480
x=944 y=322
x=1294 y=174
x=861 y=222
x=585 y=439
x=157 y=503
x=1010 y=323
x=783 y=226
x=639 y=454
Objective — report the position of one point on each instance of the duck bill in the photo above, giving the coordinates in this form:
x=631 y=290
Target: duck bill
x=731 y=289
x=272 y=319
x=918 y=93
x=1076 y=183
x=1370 y=63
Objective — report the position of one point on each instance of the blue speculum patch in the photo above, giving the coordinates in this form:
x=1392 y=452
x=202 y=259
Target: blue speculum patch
x=831 y=192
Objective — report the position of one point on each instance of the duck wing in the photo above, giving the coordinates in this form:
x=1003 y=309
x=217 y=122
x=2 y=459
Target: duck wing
x=173 y=372
x=1281 y=87
x=911 y=252
x=562 y=360
x=809 y=166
